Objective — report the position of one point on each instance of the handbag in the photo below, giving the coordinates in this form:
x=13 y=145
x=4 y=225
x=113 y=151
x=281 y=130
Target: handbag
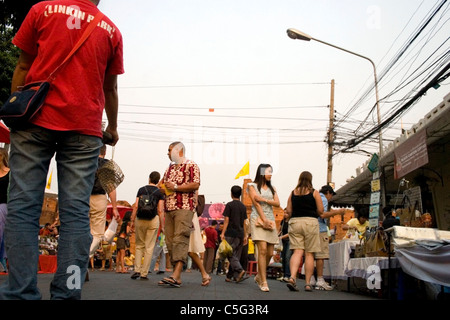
x=260 y=223
x=23 y=104
x=375 y=245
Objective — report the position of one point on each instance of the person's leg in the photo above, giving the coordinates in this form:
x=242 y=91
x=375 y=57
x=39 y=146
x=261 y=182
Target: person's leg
x=198 y=262
x=269 y=254
x=294 y=262
x=162 y=260
x=309 y=267
x=319 y=268
x=150 y=240
x=156 y=253
x=77 y=159
x=180 y=244
x=262 y=263
x=122 y=261
x=235 y=264
x=98 y=204
x=140 y=231
x=29 y=159
x=288 y=259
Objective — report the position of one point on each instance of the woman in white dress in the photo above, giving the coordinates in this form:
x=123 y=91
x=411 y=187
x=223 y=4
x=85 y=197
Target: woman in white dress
x=197 y=247
x=262 y=220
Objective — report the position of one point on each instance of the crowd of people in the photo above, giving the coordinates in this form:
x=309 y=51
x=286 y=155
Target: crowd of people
x=303 y=232
x=169 y=234
x=69 y=128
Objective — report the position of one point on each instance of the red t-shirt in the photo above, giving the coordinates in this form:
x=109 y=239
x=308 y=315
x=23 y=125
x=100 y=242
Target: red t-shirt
x=211 y=237
x=76 y=99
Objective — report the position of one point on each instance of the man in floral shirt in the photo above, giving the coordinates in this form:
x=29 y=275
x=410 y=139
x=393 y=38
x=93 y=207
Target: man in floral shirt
x=181 y=182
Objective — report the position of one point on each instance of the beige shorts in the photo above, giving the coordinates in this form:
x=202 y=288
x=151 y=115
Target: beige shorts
x=324 y=247
x=178 y=227
x=304 y=234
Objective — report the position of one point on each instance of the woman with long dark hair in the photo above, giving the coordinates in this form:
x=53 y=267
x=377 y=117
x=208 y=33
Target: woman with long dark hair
x=262 y=220
x=304 y=206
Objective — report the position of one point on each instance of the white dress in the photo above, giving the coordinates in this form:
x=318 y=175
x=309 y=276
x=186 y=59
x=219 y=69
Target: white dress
x=195 y=241
x=258 y=233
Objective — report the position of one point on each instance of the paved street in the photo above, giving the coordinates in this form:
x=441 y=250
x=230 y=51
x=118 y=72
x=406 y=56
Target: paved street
x=107 y=285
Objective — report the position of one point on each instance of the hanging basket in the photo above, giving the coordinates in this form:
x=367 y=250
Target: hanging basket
x=110 y=176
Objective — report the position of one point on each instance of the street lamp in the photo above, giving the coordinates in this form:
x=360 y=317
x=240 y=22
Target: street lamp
x=298 y=35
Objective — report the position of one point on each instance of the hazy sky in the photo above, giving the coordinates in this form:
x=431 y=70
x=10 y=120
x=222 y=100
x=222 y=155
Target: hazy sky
x=269 y=93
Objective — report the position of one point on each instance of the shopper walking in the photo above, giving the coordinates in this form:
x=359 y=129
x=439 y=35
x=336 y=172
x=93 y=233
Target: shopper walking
x=326 y=193
x=304 y=206
x=262 y=220
x=146 y=218
x=181 y=180
x=235 y=233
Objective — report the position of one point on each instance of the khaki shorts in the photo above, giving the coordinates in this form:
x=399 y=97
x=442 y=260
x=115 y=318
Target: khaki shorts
x=304 y=234
x=178 y=227
x=324 y=247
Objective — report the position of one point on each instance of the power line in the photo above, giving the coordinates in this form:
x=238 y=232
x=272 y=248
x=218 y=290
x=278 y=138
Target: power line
x=224 y=85
x=222 y=108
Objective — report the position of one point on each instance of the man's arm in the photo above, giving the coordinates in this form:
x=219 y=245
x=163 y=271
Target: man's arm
x=20 y=72
x=161 y=214
x=245 y=232
x=187 y=187
x=225 y=226
x=111 y=106
x=113 y=197
x=134 y=212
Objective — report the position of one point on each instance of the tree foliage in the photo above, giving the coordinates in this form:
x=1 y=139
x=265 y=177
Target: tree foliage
x=12 y=13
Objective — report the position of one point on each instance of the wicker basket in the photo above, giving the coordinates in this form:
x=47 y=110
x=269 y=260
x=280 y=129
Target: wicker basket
x=110 y=176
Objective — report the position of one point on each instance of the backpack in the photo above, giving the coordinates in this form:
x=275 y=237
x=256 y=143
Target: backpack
x=148 y=205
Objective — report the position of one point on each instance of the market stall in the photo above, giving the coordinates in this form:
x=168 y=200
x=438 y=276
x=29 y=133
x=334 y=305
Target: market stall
x=423 y=253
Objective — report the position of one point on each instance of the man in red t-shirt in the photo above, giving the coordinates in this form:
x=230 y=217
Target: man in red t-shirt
x=68 y=128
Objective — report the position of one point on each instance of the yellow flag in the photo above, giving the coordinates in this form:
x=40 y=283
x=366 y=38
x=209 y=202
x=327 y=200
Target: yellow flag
x=49 y=183
x=244 y=171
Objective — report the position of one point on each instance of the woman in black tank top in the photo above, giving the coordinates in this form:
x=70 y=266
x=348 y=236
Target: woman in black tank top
x=304 y=207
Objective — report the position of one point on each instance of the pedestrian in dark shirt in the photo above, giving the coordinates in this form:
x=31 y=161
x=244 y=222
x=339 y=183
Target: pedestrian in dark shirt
x=235 y=233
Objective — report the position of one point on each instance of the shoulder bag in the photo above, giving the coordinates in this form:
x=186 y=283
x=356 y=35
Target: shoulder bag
x=23 y=104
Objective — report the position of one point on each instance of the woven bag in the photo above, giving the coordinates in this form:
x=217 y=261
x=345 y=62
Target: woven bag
x=110 y=175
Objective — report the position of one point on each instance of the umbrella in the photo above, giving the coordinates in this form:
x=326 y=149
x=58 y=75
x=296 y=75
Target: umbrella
x=4 y=133
x=122 y=210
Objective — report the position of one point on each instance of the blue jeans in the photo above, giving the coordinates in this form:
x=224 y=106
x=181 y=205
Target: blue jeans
x=286 y=254
x=76 y=156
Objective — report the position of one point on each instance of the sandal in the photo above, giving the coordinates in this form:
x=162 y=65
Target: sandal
x=206 y=281
x=308 y=287
x=171 y=282
x=257 y=281
x=264 y=287
x=292 y=285
x=241 y=277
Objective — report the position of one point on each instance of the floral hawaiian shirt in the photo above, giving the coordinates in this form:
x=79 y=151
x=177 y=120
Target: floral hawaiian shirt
x=180 y=174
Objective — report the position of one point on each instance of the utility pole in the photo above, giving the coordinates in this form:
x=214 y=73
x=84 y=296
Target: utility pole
x=331 y=137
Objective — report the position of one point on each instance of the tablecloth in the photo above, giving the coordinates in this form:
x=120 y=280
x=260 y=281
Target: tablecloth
x=336 y=265
x=357 y=267
x=47 y=263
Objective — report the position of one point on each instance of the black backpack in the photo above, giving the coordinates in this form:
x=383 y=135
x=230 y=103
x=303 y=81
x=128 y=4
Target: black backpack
x=148 y=205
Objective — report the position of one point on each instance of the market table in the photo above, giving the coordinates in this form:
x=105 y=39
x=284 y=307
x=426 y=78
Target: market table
x=359 y=267
x=47 y=263
x=423 y=253
x=335 y=267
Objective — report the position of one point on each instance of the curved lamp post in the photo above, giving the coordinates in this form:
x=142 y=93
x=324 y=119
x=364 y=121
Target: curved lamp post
x=298 y=35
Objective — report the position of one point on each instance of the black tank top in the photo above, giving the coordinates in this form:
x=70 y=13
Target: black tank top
x=304 y=206
x=4 y=183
